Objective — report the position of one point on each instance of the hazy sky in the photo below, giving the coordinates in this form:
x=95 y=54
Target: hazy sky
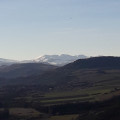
x=30 y=28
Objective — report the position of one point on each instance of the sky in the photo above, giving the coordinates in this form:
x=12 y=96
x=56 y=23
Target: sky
x=31 y=28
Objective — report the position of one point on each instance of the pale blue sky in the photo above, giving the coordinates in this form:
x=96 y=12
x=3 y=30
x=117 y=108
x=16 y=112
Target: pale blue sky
x=30 y=28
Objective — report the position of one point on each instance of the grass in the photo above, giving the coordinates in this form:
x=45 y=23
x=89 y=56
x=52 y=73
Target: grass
x=77 y=95
x=64 y=117
x=24 y=112
x=66 y=100
x=102 y=87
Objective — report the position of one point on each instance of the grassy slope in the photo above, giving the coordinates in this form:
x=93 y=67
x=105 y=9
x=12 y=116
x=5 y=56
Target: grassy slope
x=89 y=85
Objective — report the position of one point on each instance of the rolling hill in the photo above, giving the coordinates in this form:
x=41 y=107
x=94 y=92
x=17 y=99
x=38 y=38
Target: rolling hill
x=24 y=70
x=90 y=69
x=82 y=73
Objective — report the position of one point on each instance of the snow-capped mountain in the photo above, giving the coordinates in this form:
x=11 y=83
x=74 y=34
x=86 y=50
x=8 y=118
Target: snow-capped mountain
x=47 y=59
x=59 y=59
x=7 y=61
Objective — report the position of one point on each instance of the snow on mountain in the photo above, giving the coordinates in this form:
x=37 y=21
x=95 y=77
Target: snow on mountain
x=47 y=59
x=59 y=59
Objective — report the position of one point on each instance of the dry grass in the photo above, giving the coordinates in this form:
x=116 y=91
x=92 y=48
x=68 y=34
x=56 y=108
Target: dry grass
x=24 y=112
x=64 y=117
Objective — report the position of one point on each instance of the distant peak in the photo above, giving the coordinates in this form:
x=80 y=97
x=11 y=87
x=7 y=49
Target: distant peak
x=59 y=59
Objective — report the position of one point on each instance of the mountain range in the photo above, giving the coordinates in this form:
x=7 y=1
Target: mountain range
x=7 y=61
x=81 y=73
x=58 y=60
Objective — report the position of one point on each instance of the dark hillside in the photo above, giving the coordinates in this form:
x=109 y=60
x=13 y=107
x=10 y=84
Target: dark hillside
x=24 y=70
x=81 y=73
x=95 y=63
